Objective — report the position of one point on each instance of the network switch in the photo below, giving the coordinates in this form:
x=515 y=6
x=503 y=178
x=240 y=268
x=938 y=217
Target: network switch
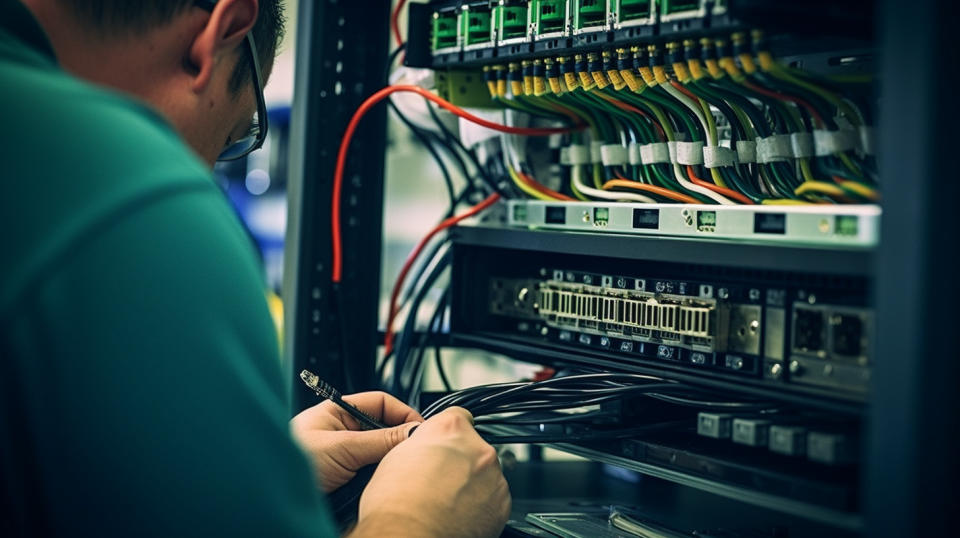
x=779 y=333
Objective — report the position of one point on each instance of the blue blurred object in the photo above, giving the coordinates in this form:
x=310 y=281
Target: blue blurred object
x=257 y=188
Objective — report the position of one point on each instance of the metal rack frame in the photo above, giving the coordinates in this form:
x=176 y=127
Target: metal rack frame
x=911 y=467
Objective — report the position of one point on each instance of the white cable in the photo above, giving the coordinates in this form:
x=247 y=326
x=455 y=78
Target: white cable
x=715 y=196
x=694 y=107
x=606 y=195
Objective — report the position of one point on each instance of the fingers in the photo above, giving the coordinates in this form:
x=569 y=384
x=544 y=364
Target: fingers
x=383 y=407
x=366 y=447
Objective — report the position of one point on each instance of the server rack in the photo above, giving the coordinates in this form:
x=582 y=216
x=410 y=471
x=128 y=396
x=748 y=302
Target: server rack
x=910 y=468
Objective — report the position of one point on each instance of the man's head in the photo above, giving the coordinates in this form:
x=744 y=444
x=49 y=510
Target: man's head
x=187 y=58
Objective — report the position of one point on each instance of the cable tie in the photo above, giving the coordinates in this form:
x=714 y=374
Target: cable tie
x=633 y=154
x=596 y=152
x=689 y=153
x=774 y=149
x=579 y=154
x=613 y=155
x=802 y=145
x=655 y=153
x=718 y=156
x=746 y=151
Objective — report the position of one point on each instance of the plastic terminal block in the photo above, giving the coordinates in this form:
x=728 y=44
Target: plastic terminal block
x=475 y=25
x=550 y=16
x=589 y=13
x=511 y=21
x=694 y=323
x=444 y=33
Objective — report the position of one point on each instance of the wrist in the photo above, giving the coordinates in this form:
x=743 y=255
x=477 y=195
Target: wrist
x=385 y=525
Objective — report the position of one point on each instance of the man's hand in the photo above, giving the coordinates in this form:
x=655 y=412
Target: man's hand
x=444 y=481
x=336 y=446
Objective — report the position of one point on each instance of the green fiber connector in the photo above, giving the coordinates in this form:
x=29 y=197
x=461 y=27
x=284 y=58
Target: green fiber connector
x=475 y=25
x=589 y=13
x=551 y=15
x=511 y=21
x=631 y=10
x=670 y=7
x=444 y=30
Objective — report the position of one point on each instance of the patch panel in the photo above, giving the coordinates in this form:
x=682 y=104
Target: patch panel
x=511 y=21
x=850 y=225
x=812 y=337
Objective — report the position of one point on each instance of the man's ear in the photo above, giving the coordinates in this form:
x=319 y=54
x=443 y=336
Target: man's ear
x=224 y=31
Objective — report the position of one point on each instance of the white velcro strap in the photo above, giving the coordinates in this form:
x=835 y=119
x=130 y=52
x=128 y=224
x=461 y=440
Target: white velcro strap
x=746 y=151
x=655 y=153
x=830 y=142
x=633 y=154
x=613 y=155
x=672 y=150
x=867 y=141
x=717 y=156
x=579 y=154
x=596 y=154
x=774 y=148
x=690 y=152
x=565 y=156
x=802 y=144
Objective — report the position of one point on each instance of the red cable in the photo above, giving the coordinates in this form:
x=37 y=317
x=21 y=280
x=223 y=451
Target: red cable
x=394 y=22
x=683 y=89
x=786 y=97
x=352 y=128
x=623 y=105
x=415 y=253
x=717 y=188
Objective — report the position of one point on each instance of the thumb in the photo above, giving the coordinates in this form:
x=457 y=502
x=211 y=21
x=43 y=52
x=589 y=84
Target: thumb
x=367 y=447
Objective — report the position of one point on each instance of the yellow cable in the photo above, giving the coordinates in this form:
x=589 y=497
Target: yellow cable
x=573 y=187
x=527 y=188
x=784 y=201
x=821 y=187
x=598 y=175
x=862 y=190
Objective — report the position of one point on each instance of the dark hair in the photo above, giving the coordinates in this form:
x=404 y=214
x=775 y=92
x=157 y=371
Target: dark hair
x=123 y=15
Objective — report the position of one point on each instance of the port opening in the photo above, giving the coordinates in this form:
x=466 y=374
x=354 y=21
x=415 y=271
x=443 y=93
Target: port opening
x=551 y=16
x=671 y=7
x=512 y=21
x=591 y=13
x=477 y=24
x=631 y=10
x=444 y=30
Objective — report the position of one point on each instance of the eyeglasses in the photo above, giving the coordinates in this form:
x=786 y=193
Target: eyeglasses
x=257 y=134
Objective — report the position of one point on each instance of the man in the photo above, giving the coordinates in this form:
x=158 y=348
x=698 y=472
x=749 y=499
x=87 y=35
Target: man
x=140 y=391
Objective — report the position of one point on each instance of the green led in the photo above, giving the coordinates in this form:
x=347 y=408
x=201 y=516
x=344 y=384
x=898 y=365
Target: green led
x=520 y=213
x=846 y=225
x=601 y=216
